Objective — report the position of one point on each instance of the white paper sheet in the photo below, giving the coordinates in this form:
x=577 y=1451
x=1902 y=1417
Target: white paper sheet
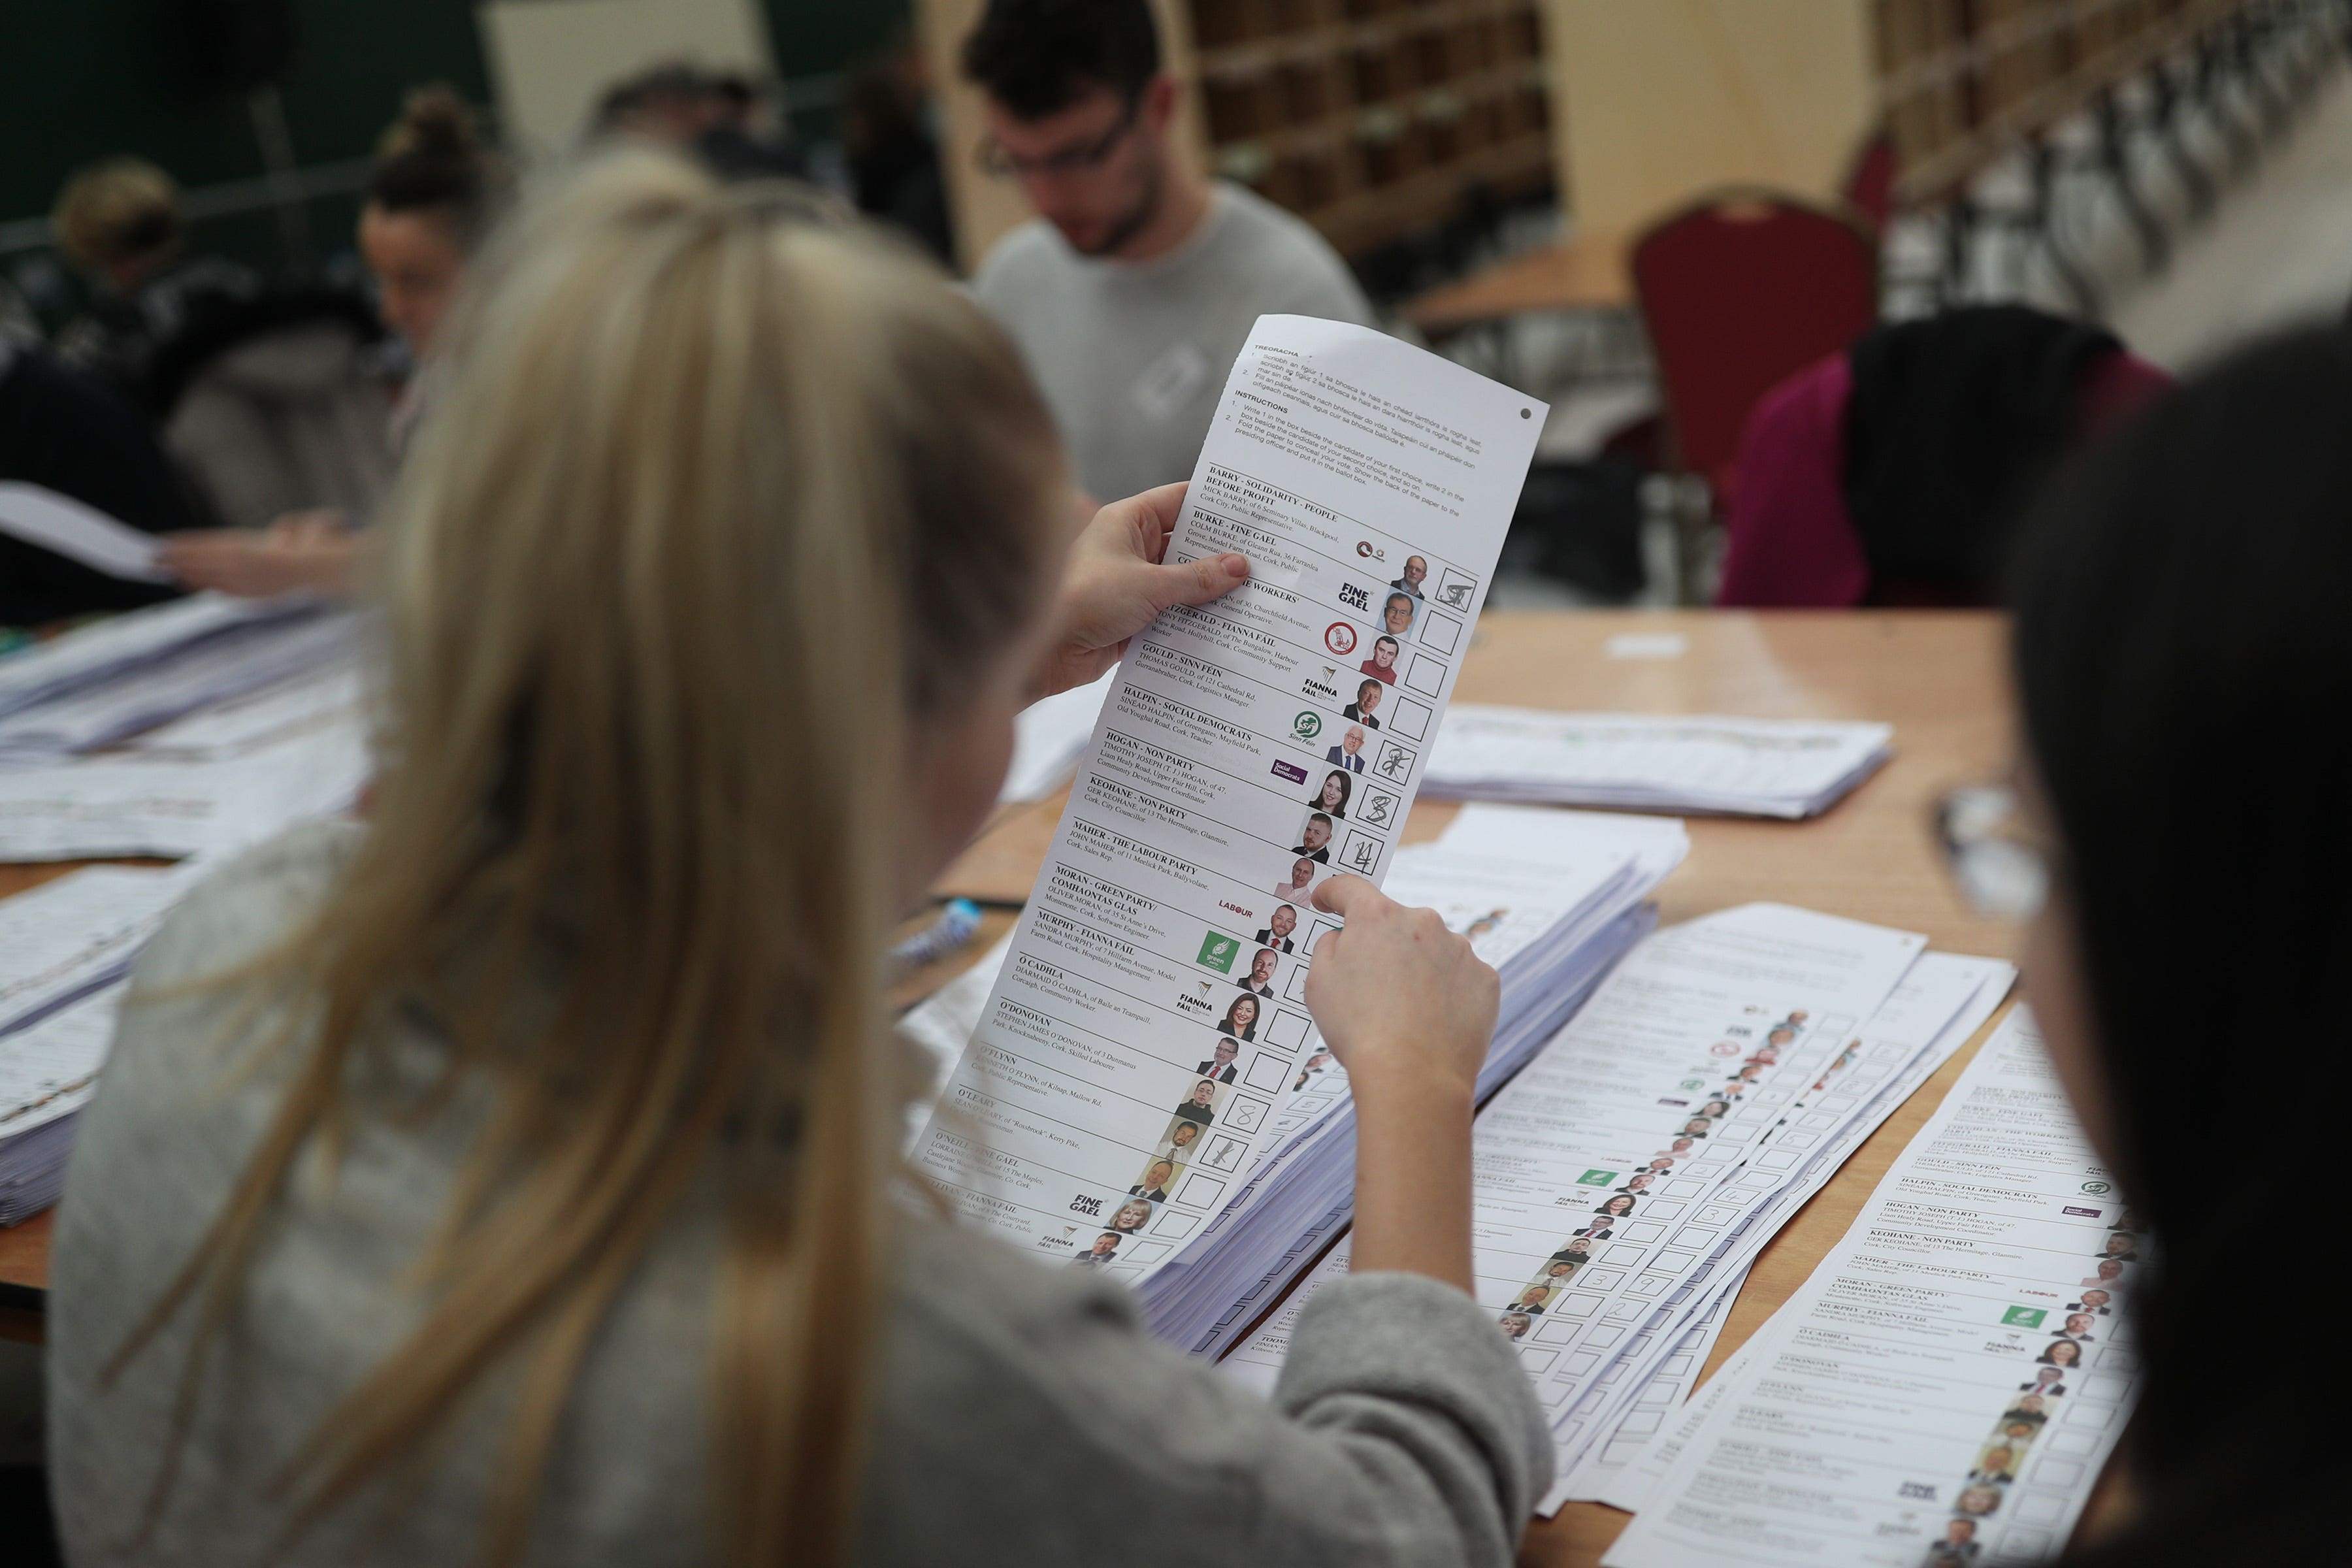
x=50 y=1069
x=79 y=531
x=104 y=649
x=1095 y=1098
x=1766 y=767
x=1048 y=738
x=92 y=807
x=331 y=694
x=185 y=681
x=1941 y=1390
x=64 y=937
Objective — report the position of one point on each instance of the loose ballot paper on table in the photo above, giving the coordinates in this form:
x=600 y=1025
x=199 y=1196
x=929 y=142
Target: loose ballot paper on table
x=1948 y=1384
x=1132 y=1055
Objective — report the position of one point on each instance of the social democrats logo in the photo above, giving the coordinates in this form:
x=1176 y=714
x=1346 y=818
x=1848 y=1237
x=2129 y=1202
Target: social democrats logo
x=1306 y=726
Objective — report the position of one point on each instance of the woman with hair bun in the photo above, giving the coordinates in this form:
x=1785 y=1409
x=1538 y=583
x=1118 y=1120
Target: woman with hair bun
x=432 y=195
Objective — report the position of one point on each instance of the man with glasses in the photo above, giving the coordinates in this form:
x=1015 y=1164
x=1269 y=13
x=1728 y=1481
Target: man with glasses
x=1136 y=285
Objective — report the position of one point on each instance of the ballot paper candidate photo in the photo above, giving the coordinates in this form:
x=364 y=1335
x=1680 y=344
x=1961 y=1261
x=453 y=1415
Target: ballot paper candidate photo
x=1133 y=1214
x=1158 y=1177
x=1416 y=572
x=1241 y=1019
x=1220 y=1064
x=1397 y=613
x=1105 y=1248
x=1178 y=1140
x=1276 y=932
x=1382 y=665
x=1300 y=888
x=1332 y=798
x=1315 y=838
x=1367 y=702
x=1200 y=1105
x=1260 y=978
x=1959 y=1545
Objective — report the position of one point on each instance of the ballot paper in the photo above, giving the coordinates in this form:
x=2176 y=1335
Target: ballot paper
x=48 y=1072
x=1939 y=1005
x=1753 y=767
x=1618 y=1137
x=1125 y=1073
x=65 y=939
x=107 y=650
x=79 y=531
x=219 y=668
x=1049 y=737
x=49 y=1069
x=328 y=694
x=90 y=807
x=1945 y=1386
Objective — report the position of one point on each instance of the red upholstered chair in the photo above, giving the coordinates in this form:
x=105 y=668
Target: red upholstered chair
x=1739 y=291
x=1869 y=187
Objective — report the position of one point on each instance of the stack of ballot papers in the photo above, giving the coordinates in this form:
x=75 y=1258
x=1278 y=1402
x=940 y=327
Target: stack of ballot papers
x=1551 y=898
x=1627 y=1177
x=65 y=947
x=188 y=729
x=1737 y=767
x=1948 y=1384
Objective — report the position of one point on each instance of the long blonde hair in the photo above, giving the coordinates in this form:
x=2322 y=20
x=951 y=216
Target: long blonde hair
x=720 y=497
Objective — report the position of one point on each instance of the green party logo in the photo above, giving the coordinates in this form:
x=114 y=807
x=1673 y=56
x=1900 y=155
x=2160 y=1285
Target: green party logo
x=1596 y=1178
x=1217 y=951
x=2024 y=1318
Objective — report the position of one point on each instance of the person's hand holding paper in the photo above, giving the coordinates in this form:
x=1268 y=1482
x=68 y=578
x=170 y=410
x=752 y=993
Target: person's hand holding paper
x=1117 y=579
x=314 y=551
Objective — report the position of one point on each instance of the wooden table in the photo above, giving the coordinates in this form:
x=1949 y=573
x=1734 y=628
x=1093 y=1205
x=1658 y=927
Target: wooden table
x=1937 y=675
x=1590 y=272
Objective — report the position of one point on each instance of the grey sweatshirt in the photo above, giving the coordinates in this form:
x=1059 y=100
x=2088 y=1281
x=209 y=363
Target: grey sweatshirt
x=1024 y=1415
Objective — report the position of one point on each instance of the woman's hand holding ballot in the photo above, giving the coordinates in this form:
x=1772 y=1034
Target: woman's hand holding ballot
x=1117 y=579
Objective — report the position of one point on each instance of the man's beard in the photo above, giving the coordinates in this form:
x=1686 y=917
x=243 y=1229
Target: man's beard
x=1131 y=222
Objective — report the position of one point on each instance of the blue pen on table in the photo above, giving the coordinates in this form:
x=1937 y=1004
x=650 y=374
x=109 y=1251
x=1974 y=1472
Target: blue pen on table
x=957 y=922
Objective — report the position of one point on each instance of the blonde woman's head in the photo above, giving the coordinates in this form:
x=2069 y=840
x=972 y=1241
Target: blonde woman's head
x=707 y=595
x=120 y=218
x=723 y=466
